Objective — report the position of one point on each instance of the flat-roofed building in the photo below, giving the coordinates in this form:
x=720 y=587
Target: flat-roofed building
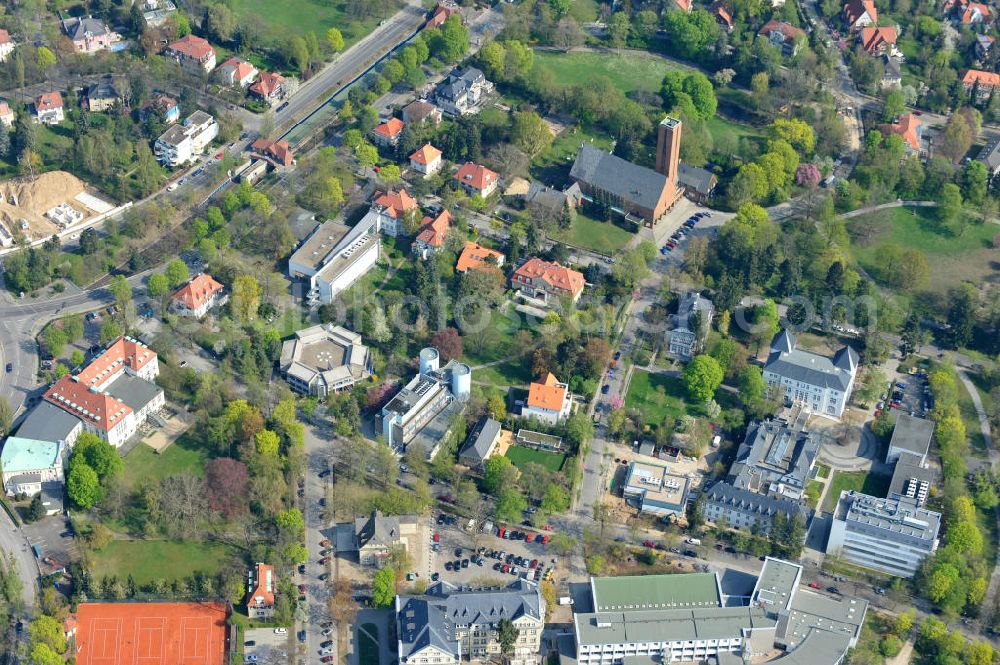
x=911 y=479
x=422 y=412
x=47 y=422
x=890 y=535
x=29 y=465
x=910 y=435
x=322 y=360
x=685 y=618
x=335 y=257
x=655 y=490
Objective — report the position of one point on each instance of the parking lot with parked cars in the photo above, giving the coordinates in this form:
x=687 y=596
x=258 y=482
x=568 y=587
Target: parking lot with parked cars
x=680 y=234
x=461 y=556
x=907 y=393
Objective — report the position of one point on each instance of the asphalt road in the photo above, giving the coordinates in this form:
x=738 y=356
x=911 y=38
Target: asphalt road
x=348 y=65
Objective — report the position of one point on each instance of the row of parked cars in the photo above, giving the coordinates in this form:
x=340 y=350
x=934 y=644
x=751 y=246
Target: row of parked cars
x=681 y=232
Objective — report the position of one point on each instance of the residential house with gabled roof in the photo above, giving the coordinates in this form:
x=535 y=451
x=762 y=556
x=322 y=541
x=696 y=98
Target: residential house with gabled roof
x=474 y=256
x=819 y=384
x=269 y=87
x=198 y=296
x=990 y=156
x=880 y=40
x=983 y=83
x=859 y=14
x=89 y=34
x=447 y=625
x=376 y=536
x=909 y=128
x=277 y=153
x=549 y=401
x=6 y=115
x=968 y=13
x=6 y=45
x=426 y=160
x=691 y=326
x=392 y=209
x=102 y=96
x=262 y=587
x=544 y=280
x=462 y=92
x=984 y=45
x=236 y=72
x=487 y=439
x=194 y=54
x=421 y=110
x=698 y=183
x=171 y=109
x=387 y=134
x=783 y=36
x=476 y=179
x=431 y=236
x=892 y=73
x=49 y=108
x=723 y=14
x=441 y=14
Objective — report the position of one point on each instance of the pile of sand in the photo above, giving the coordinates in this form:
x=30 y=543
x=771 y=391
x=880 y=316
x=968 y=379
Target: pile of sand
x=35 y=196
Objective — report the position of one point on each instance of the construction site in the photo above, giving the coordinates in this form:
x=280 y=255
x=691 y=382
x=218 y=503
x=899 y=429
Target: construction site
x=38 y=207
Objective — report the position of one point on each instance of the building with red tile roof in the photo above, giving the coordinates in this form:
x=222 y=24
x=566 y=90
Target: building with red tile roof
x=683 y=5
x=49 y=108
x=261 y=587
x=859 y=14
x=236 y=72
x=476 y=179
x=474 y=256
x=430 y=238
x=6 y=115
x=544 y=280
x=723 y=14
x=426 y=160
x=198 y=296
x=123 y=354
x=278 y=153
x=548 y=401
x=388 y=133
x=111 y=419
x=907 y=127
x=392 y=209
x=976 y=12
x=783 y=35
x=6 y=45
x=192 y=53
x=879 y=40
x=268 y=87
x=441 y=14
x=983 y=82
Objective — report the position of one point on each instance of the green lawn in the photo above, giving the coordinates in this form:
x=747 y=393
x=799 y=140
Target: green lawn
x=368 y=645
x=971 y=419
x=859 y=481
x=719 y=127
x=813 y=491
x=497 y=343
x=144 y=463
x=951 y=259
x=595 y=235
x=148 y=560
x=822 y=471
x=656 y=396
x=520 y=456
x=630 y=71
x=584 y=11
x=297 y=17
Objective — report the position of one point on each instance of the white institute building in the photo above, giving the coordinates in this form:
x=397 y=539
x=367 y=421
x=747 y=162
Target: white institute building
x=322 y=360
x=819 y=384
x=182 y=143
x=688 y=618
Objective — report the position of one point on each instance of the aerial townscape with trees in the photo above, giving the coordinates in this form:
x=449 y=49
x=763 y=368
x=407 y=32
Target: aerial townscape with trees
x=535 y=331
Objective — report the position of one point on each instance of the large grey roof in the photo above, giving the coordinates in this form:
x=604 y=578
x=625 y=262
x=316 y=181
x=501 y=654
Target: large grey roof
x=810 y=368
x=621 y=178
x=899 y=516
x=430 y=619
x=103 y=89
x=696 y=178
x=774 y=452
x=77 y=28
x=132 y=390
x=482 y=439
x=908 y=467
x=747 y=501
x=668 y=625
x=913 y=434
x=383 y=529
x=47 y=422
x=990 y=154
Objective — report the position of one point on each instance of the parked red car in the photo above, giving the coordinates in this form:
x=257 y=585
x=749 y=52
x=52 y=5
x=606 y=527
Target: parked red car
x=815 y=585
x=648 y=543
x=437 y=537
x=324 y=543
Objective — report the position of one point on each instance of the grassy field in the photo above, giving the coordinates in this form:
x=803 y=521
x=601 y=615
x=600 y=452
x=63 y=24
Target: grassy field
x=951 y=260
x=144 y=463
x=971 y=419
x=813 y=491
x=520 y=456
x=298 y=17
x=499 y=346
x=148 y=560
x=595 y=235
x=656 y=396
x=630 y=71
x=822 y=471
x=719 y=127
x=859 y=481
x=584 y=11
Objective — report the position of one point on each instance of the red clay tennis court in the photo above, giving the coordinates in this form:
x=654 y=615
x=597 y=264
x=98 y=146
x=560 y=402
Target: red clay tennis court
x=151 y=634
